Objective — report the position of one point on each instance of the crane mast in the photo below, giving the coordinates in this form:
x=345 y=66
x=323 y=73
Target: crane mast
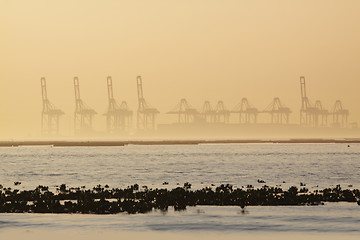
x=186 y=113
x=340 y=115
x=145 y=113
x=222 y=115
x=247 y=113
x=278 y=112
x=83 y=116
x=50 y=115
x=118 y=117
x=310 y=113
x=208 y=113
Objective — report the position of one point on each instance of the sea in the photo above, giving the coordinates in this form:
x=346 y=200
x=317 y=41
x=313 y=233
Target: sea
x=315 y=166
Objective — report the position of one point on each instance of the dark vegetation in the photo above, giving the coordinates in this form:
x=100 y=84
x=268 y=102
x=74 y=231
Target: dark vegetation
x=133 y=199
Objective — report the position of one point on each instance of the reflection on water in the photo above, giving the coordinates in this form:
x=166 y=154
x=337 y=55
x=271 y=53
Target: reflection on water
x=329 y=218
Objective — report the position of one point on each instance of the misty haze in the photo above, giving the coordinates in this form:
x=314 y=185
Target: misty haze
x=249 y=56
x=165 y=119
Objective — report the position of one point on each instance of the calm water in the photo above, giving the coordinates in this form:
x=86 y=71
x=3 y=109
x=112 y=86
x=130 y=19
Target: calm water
x=316 y=165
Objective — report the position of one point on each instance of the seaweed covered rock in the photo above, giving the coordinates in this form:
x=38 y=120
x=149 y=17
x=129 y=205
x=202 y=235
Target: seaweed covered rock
x=132 y=200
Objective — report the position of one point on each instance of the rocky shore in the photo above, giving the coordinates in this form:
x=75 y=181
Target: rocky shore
x=135 y=199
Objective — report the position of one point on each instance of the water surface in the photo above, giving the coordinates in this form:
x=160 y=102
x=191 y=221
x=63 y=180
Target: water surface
x=316 y=165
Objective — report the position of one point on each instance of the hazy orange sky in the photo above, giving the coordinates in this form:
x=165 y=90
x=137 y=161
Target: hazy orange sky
x=198 y=49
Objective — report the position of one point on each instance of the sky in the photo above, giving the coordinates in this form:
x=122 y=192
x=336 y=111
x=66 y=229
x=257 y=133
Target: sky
x=199 y=50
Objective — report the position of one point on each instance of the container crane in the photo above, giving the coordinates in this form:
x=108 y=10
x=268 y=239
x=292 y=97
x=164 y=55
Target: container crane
x=145 y=113
x=50 y=115
x=83 y=115
x=118 y=117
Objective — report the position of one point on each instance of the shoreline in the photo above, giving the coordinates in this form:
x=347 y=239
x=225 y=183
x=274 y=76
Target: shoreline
x=104 y=143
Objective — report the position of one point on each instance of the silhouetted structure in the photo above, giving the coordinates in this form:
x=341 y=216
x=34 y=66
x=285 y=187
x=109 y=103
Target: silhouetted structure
x=145 y=114
x=221 y=113
x=320 y=113
x=279 y=113
x=83 y=113
x=118 y=117
x=309 y=113
x=247 y=113
x=208 y=113
x=186 y=113
x=340 y=115
x=50 y=115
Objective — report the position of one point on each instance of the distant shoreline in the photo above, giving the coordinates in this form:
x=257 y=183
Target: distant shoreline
x=82 y=143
